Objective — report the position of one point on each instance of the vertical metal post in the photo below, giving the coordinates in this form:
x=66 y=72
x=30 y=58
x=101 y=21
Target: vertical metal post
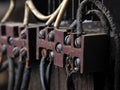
x=49 y=7
x=53 y=4
x=73 y=8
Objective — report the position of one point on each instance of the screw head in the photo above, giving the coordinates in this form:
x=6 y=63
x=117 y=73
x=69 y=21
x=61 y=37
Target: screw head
x=23 y=52
x=78 y=42
x=51 y=54
x=42 y=34
x=10 y=40
x=51 y=36
x=16 y=51
x=23 y=34
x=77 y=62
x=59 y=48
x=67 y=40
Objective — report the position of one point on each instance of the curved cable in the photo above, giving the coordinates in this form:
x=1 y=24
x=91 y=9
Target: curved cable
x=69 y=81
x=37 y=13
x=102 y=18
x=61 y=13
x=30 y=6
x=11 y=78
x=8 y=13
x=113 y=31
x=26 y=76
x=41 y=69
x=48 y=70
x=101 y=7
x=4 y=66
x=19 y=76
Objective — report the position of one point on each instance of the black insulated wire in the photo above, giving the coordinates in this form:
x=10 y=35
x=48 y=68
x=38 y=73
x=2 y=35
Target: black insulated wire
x=102 y=18
x=20 y=71
x=11 y=72
x=69 y=81
x=4 y=66
x=99 y=14
x=4 y=61
x=42 y=71
x=26 y=78
x=48 y=71
x=3 y=55
x=19 y=76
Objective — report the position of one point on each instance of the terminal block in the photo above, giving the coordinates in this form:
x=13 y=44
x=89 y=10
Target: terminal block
x=16 y=37
x=89 y=51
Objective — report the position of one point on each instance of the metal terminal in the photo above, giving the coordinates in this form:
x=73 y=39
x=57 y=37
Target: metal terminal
x=77 y=62
x=78 y=42
x=59 y=48
x=42 y=34
x=10 y=40
x=51 y=36
x=23 y=34
x=23 y=52
x=67 y=40
x=51 y=54
x=16 y=51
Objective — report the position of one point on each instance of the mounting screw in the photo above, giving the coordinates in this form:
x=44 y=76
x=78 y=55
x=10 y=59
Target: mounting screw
x=42 y=34
x=51 y=54
x=23 y=34
x=23 y=52
x=67 y=40
x=78 y=42
x=77 y=62
x=51 y=36
x=16 y=51
x=59 y=48
x=10 y=40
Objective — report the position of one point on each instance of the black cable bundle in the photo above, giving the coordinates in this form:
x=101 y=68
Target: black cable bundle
x=26 y=76
x=11 y=71
x=45 y=70
x=69 y=81
x=114 y=39
x=19 y=76
x=42 y=71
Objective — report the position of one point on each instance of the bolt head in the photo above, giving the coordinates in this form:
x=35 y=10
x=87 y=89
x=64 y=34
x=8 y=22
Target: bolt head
x=42 y=34
x=78 y=42
x=23 y=34
x=59 y=48
x=10 y=40
x=67 y=40
x=51 y=36
x=77 y=62
x=16 y=51
x=51 y=54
